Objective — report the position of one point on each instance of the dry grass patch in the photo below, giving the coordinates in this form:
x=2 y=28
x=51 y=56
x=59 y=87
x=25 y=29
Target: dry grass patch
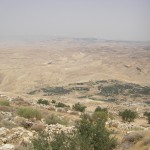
x=54 y=119
x=20 y=101
x=139 y=140
x=7 y=124
x=6 y=108
x=4 y=103
x=38 y=127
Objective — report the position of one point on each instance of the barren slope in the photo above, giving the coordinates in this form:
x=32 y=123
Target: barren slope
x=26 y=66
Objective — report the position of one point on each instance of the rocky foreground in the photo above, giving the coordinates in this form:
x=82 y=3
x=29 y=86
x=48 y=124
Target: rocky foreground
x=17 y=132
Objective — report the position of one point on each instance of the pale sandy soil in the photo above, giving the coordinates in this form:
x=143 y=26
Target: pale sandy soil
x=24 y=67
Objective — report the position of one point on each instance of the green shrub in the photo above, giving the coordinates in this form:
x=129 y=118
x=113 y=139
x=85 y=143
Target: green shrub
x=128 y=115
x=53 y=101
x=93 y=135
x=4 y=103
x=101 y=109
x=61 y=105
x=100 y=115
x=29 y=113
x=43 y=101
x=88 y=135
x=53 y=119
x=79 y=107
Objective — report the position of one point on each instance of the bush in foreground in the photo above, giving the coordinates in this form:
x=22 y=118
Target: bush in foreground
x=88 y=135
x=29 y=113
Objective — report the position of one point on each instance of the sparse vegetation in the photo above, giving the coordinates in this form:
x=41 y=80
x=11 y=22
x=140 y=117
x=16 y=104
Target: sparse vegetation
x=79 y=107
x=128 y=115
x=41 y=76
x=88 y=135
x=29 y=113
x=133 y=137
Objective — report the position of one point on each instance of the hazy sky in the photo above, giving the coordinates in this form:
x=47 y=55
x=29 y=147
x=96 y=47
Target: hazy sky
x=106 y=19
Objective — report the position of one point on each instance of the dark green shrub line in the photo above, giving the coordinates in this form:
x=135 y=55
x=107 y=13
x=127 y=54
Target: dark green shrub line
x=55 y=90
x=60 y=104
x=79 y=89
x=99 y=109
x=126 y=88
x=43 y=101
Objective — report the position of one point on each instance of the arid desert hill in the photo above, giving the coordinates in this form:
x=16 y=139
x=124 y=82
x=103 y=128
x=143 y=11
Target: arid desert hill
x=31 y=64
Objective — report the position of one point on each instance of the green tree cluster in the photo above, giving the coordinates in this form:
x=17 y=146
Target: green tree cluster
x=128 y=115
